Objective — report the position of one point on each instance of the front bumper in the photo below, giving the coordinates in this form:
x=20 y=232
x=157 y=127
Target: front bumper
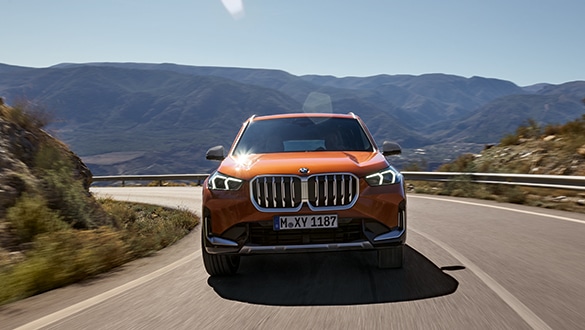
x=260 y=238
x=218 y=245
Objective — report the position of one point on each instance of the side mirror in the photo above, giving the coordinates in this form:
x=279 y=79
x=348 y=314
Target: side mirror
x=215 y=153
x=391 y=148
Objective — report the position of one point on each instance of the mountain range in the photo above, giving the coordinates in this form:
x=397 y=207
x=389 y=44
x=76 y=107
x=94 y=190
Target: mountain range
x=140 y=118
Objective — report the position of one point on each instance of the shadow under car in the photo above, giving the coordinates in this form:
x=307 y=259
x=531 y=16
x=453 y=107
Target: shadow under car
x=337 y=278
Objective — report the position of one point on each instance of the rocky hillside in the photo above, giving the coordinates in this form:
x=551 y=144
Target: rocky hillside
x=554 y=150
x=532 y=149
x=542 y=155
x=52 y=230
x=42 y=183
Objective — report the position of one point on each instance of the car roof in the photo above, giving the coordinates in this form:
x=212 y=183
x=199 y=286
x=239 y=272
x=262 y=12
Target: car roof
x=303 y=115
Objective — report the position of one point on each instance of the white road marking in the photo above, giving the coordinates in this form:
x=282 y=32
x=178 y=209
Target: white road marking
x=524 y=312
x=88 y=303
x=502 y=208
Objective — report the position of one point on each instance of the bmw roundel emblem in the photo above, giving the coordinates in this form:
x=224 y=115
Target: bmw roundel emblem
x=304 y=170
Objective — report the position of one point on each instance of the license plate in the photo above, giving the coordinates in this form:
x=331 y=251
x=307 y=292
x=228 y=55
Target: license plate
x=285 y=222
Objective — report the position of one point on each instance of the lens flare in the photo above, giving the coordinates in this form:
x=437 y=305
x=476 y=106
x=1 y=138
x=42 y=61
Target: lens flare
x=234 y=7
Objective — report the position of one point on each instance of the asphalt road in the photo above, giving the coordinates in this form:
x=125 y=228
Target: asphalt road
x=469 y=265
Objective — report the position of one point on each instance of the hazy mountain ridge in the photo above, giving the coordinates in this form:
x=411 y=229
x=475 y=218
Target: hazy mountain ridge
x=551 y=105
x=166 y=115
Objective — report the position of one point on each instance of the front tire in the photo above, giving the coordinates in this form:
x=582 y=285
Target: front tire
x=219 y=264
x=389 y=258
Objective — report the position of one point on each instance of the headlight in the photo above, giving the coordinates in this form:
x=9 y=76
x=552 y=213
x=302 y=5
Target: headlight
x=218 y=181
x=385 y=177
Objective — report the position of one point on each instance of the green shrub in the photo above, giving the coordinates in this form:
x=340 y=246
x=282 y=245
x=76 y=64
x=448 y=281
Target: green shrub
x=120 y=213
x=61 y=258
x=31 y=216
x=552 y=129
x=575 y=127
x=26 y=115
x=148 y=228
x=512 y=194
x=155 y=228
x=510 y=140
x=70 y=198
x=486 y=165
x=464 y=163
x=63 y=192
x=49 y=157
x=529 y=130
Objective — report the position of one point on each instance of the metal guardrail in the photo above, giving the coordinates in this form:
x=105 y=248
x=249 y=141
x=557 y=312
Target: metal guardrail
x=528 y=180
x=160 y=178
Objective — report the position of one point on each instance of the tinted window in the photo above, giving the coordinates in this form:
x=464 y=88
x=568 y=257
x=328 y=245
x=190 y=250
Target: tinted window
x=303 y=134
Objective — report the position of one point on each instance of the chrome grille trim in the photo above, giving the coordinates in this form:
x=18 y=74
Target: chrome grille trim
x=320 y=192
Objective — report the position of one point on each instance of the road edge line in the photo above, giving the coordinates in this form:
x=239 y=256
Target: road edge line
x=502 y=208
x=522 y=310
x=90 y=302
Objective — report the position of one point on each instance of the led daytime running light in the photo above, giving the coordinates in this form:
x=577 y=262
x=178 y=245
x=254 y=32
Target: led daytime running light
x=386 y=177
x=223 y=182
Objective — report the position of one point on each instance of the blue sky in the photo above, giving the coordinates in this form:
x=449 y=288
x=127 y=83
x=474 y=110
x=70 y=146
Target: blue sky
x=523 y=41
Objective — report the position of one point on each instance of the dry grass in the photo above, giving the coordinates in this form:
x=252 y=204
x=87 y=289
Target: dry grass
x=61 y=255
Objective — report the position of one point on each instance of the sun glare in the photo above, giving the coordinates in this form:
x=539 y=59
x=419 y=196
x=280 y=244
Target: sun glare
x=243 y=160
x=234 y=7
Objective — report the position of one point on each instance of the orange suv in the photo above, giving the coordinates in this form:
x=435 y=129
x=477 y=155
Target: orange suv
x=302 y=183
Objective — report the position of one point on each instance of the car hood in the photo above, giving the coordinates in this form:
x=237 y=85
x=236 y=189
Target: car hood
x=248 y=166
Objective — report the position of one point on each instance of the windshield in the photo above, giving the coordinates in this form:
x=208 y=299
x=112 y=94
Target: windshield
x=303 y=134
